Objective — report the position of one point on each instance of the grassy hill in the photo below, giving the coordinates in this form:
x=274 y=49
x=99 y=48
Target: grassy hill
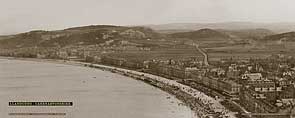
x=288 y=37
x=254 y=34
x=200 y=34
x=86 y=35
x=141 y=43
x=205 y=37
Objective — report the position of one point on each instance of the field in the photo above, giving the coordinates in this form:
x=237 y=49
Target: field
x=180 y=48
x=247 y=51
x=176 y=52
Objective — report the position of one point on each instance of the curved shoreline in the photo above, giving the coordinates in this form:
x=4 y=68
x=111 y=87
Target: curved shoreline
x=198 y=102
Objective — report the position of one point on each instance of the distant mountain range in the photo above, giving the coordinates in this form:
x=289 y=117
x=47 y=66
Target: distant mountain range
x=275 y=27
x=215 y=34
x=200 y=34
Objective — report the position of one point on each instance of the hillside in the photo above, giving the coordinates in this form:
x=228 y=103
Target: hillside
x=255 y=34
x=205 y=37
x=79 y=35
x=132 y=43
x=288 y=37
x=200 y=34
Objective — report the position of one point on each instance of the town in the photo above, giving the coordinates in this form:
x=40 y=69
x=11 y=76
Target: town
x=262 y=86
x=256 y=85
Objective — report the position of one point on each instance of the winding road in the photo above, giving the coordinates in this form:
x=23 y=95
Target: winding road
x=203 y=53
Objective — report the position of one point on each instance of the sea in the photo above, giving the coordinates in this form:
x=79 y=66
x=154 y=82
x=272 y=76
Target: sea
x=94 y=93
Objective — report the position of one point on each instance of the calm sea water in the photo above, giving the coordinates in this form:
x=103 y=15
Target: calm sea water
x=95 y=93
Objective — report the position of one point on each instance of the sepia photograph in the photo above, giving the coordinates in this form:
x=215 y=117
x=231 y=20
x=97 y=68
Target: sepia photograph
x=147 y=59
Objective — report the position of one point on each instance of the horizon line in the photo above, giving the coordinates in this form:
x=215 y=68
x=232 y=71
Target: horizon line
x=145 y=25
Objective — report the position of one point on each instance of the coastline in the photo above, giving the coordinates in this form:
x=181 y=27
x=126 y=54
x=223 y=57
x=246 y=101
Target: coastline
x=198 y=102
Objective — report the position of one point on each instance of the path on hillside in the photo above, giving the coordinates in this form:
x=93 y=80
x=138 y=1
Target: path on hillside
x=203 y=53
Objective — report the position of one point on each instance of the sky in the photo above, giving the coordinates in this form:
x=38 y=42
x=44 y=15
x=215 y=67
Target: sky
x=25 y=15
